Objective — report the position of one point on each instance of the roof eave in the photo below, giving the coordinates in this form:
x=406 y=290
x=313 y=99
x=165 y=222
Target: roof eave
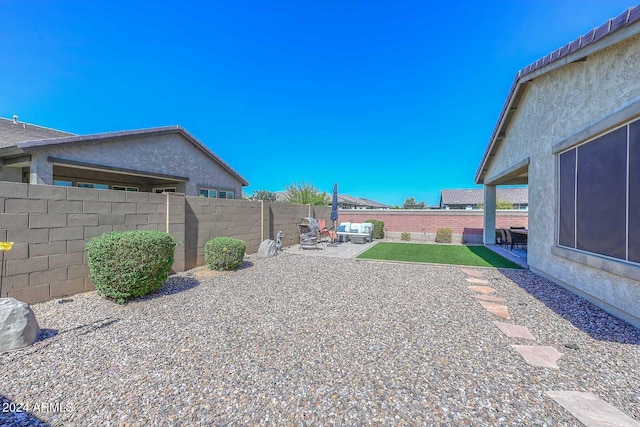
x=618 y=29
x=27 y=146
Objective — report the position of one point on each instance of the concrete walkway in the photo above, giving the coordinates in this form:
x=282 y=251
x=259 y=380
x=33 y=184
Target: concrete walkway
x=340 y=250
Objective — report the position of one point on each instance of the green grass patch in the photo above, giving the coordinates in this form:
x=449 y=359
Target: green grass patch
x=477 y=256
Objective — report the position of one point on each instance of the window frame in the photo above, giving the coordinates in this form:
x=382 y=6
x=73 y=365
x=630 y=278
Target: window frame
x=217 y=192
x=125 y=188
x=83 y=184
x=623 y=267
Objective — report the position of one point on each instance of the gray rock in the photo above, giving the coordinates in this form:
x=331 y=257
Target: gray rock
x=18 y=325
x=267 y=249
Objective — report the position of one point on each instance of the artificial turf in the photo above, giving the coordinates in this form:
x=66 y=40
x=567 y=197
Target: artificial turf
x=477 y=256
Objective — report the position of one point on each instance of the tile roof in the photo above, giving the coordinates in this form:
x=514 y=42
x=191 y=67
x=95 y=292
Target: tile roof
x=12 y=133
x=31 y=137
x=345 y=199
x=475 y=196
x=570 y=52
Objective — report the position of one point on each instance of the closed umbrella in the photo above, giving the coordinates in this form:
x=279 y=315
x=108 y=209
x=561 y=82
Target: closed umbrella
x=334 y=207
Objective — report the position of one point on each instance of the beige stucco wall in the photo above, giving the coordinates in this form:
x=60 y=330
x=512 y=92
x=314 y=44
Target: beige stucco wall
x=555 y=106
x=169 y=154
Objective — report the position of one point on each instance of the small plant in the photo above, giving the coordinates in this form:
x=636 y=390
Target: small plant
x=405 y=236
x=130 y=264
x=444 y=235
x=378 y=228
x=224 y=253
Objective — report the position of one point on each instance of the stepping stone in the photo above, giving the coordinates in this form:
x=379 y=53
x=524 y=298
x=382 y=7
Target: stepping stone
x=491 y=298
x=515 y=331
x=497 y=309
x=538 y=355
x=483 y=289
x=471 y=272
x=477 y=281
x=591 y=410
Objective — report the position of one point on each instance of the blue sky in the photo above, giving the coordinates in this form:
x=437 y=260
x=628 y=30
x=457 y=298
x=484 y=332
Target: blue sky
x=388 y=99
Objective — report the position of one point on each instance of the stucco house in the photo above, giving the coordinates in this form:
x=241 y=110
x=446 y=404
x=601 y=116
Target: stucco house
x=473 y=198
x=161 y=159
x=570 y=129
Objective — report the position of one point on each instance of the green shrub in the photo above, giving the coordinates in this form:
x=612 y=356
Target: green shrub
x=129 y=264
x=405 y=236
x=444 y=235
x=224 y=253
x=378 y=228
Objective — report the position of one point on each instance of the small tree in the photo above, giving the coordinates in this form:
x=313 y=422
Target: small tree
x=306 y=194
x=411 y=203
x=500 y=205
x=265 y=195
x=503 y=204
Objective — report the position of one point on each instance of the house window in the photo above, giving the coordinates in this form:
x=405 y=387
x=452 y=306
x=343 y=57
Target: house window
x=205 y=192
x=164 y=190
x=62 y=183
x=599 y=207
x=124 y=188
x=93 y=185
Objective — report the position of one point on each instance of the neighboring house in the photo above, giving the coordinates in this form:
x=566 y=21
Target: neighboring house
x=344 y=201
x=163 y=159
x=348 y=202
x=473 y=198
x=570 y=129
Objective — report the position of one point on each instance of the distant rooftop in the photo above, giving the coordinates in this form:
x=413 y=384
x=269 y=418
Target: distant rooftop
x=13 y=132
x=475 y=196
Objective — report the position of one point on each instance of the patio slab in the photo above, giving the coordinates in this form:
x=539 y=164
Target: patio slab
x=515 y=331
x=497 y=309
x=483 y=289
x=491 y=298
x=538 y=355
x=591 y=410
x=477 y=281
x=472 y=272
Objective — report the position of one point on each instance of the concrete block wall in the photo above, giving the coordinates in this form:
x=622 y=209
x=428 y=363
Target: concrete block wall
x=50 y=226
x=208 y=218
x=467 y=226
x=285 y=217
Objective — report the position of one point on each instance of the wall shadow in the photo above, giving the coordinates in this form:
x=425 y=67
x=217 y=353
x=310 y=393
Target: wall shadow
x=472 y=235
x=191 y=237
x=582 y=314
x=16 y=414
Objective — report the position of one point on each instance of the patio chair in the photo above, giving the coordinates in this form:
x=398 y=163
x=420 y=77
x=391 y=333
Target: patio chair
x=309 y=236
x=515 y=239
x=503 y=237
x=327 y=232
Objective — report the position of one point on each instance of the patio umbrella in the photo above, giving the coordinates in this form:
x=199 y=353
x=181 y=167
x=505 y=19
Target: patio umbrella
x=334 y=206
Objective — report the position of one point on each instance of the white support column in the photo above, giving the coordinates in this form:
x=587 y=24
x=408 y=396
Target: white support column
x=40 y=170
x=489 y=237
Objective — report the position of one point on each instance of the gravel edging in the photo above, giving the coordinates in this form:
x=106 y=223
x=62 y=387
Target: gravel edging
x=315 y=340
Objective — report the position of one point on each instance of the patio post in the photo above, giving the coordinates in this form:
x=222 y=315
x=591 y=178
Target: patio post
x=489 y=236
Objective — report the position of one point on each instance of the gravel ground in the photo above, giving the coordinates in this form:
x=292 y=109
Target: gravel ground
x=315 y=341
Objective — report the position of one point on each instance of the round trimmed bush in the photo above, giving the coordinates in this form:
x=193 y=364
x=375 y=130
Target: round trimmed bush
x=378 y=228
x=224 y=253
x=130 y=264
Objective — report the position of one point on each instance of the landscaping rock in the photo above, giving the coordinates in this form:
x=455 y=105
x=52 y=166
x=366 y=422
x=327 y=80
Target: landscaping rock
x=267 y=249
x=18 y=325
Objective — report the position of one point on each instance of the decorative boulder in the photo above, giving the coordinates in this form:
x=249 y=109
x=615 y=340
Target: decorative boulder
x=18 y=325
x=267 y=249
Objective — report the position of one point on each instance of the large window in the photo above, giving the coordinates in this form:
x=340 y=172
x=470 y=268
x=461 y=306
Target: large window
x=93 y=185
x=599 y=203
x=220 y=194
